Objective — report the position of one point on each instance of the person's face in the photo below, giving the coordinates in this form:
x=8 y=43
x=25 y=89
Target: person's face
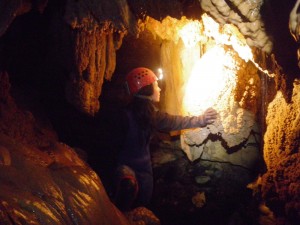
x=156 y=92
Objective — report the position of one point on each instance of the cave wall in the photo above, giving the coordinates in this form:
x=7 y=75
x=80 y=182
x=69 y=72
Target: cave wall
x=93 y=60
x=280 y=183
x=81 y=40
x=42 y=180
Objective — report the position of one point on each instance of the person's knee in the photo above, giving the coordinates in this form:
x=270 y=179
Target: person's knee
x=128 y=183
x=124 y=170
x=126 y=188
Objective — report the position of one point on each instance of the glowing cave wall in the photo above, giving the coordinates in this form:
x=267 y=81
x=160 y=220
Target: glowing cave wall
x=216 y=68
x=219 y=70
x=203 y=68
x=85 y=37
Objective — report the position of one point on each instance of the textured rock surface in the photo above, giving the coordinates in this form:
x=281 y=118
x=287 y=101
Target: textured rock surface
x=99 y=28
x=43 y=181
x=191 y=192
x=236 y=132
x=280 y=184
x=142 y=216
x=245 y=15
x=52 y=186
x=84 y=62
x=93 y=31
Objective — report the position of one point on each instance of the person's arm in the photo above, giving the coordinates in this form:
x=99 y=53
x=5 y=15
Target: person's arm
x=167 y=122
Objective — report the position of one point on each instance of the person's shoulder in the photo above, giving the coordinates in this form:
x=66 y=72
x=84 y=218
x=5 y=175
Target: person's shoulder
x=125 y=113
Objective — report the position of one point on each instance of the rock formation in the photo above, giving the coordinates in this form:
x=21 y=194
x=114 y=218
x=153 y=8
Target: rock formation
x=64 y=52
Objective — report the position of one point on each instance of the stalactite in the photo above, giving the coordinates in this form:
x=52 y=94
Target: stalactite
x=110 y=56
x=95 y=60
x=98 y=34
x=84 y=85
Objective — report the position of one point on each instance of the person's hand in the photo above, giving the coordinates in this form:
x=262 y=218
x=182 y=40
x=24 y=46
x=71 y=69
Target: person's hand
x=209 y=116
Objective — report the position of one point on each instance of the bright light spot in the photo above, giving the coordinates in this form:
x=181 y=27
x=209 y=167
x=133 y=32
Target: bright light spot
x=251 y=81
x=213 y=77
x=212 y=28
x=198 y=83
x=190 y=34
x=160 y=73
x=230 y=35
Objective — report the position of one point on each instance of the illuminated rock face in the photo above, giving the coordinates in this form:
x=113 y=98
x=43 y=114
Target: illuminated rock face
x=91 y=32
x=252 y=28
x=211 y=73
x=205 y=73
x=280 y=184
x=236 y=128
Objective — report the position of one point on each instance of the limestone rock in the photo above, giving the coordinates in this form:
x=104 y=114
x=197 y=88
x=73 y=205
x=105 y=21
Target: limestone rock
x=53 y=186
x=99 y=28
x=43 y=181
x=142 y=216
x=282 y=157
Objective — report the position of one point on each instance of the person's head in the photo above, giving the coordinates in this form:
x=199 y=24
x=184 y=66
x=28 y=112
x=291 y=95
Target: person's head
x=142 y=83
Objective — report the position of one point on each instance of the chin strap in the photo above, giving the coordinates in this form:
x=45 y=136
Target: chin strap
x=144 y=97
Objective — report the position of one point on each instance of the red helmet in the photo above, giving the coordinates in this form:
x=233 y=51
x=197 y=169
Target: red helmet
x=139 y=78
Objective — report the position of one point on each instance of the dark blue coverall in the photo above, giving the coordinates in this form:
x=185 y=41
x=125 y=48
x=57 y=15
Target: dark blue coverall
x=134 y=160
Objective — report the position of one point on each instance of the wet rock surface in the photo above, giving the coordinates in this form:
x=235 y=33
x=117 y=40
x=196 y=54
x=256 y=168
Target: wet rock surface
x=52 y=186
x=43 y=181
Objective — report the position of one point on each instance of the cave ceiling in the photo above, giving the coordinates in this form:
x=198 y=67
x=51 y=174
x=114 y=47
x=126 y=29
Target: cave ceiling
x=88 y=34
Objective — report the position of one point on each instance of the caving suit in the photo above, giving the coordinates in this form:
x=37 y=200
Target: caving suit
x=134 y=160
